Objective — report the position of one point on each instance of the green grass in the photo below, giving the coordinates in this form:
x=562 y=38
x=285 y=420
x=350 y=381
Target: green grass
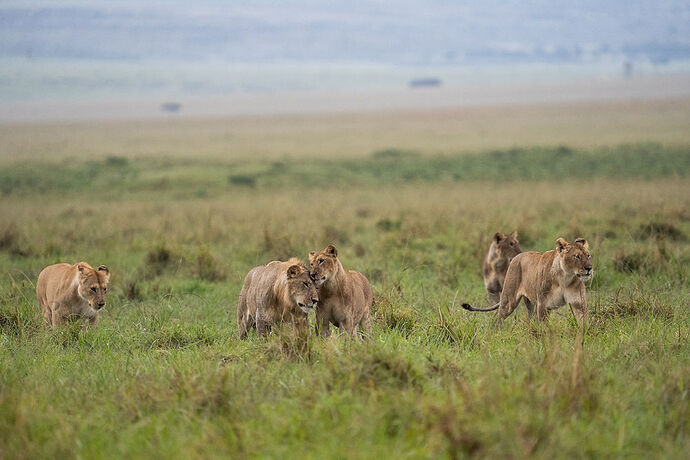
x=116 y=174
x=165 y=375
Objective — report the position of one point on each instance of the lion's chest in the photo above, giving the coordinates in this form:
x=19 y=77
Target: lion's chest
x=76 y=307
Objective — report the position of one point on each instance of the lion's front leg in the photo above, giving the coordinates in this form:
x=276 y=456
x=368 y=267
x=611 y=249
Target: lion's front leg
x=56 y=318
x=262 y=327
x=542 y=307
x=322 y=326
x=578 y=302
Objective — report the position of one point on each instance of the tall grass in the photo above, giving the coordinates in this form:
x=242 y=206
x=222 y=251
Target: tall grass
x=165 y=375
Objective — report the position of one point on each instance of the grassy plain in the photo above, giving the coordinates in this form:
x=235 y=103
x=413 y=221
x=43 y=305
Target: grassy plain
x=180 y=215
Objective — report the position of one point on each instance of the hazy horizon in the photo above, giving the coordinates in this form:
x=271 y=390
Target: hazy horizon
x=104 y=50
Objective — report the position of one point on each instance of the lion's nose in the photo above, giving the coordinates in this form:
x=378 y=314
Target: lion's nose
x=314 y=301
x=101 y=304
x=588 y=268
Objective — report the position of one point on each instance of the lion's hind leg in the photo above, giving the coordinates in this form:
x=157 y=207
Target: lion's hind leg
x=509 y=295
x=364 y=327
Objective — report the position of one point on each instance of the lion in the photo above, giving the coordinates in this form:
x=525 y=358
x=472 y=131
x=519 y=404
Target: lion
x=345 y=295
x=549 y=280
x=502 y=250
x=67 y=292
x=274 y=293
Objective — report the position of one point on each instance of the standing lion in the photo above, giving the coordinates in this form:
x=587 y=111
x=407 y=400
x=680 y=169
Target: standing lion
x=67 y=292
x=549 y=280
x=502 y=250
x=345 y=295
x=275 y=293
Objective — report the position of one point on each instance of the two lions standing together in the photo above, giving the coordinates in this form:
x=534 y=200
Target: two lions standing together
x=546 y=280
x=286 y=291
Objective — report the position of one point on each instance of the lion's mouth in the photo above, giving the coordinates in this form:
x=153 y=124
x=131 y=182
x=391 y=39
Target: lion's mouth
x=306 y=308
x=319 y=281
x=584 y=276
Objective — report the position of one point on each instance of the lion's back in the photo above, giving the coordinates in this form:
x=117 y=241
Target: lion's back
x=361 y=284
x=51 y=281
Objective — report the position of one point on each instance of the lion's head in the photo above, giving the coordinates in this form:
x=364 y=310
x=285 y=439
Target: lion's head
x=507 y=246
x=301 y=288
x=324 y=264
x=575 y=257
x=93 y=284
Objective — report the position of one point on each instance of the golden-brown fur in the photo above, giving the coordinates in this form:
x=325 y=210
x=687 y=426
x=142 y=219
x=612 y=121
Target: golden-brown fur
x=67 y=292
x=274 y=293
x=549 y=280
x=502 y=250
x=345 y=295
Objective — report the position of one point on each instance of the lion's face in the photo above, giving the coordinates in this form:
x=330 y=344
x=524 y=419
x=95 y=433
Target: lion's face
x=575 y=258
x=301 y=288
x=324 y=264
x=507 y=246
x=93 y=285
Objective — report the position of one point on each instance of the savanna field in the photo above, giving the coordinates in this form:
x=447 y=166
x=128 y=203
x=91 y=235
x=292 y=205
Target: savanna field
x=179 y=211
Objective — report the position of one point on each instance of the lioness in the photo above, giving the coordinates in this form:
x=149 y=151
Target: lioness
x=502 y=250
x=274 y=293
x=345 y=295
x=67 y=291
x=549 y=280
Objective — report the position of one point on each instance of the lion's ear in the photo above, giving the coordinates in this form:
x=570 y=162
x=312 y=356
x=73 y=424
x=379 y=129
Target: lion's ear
x=561 y=243
x=105 y=270
x=583 y=242
x=332 y=250
x=82 y=269
x=498 y=237
x=514 y=234
x=293 y=271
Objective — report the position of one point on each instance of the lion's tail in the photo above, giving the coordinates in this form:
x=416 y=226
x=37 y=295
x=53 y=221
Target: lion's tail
x=469 y=307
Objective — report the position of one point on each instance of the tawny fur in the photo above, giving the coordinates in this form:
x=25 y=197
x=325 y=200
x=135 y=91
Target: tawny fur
x=345 y=296
x=549 y=280
x=68 y=292
x=502 y=250
x=275 y=293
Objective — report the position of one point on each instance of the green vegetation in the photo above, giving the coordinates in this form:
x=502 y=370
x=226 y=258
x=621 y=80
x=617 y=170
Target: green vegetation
x=165 y=375
x=392 y=166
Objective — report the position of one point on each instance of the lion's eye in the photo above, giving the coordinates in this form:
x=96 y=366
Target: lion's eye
x=578 y=257
x=321 y=261
x=93 y=289
x=105 y=289
x=305 y=284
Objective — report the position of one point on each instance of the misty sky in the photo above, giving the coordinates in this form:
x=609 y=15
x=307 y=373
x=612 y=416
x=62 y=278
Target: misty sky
x=400 y=32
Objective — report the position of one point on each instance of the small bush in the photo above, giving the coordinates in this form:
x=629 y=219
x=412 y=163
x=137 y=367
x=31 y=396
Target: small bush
x=116 y=161
x=628 y=263
x=206 y=267
x=388 y=225
x=242 y=180
x=14 y=243
x=392 y=154
x=161 y=258
x=660 y=230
